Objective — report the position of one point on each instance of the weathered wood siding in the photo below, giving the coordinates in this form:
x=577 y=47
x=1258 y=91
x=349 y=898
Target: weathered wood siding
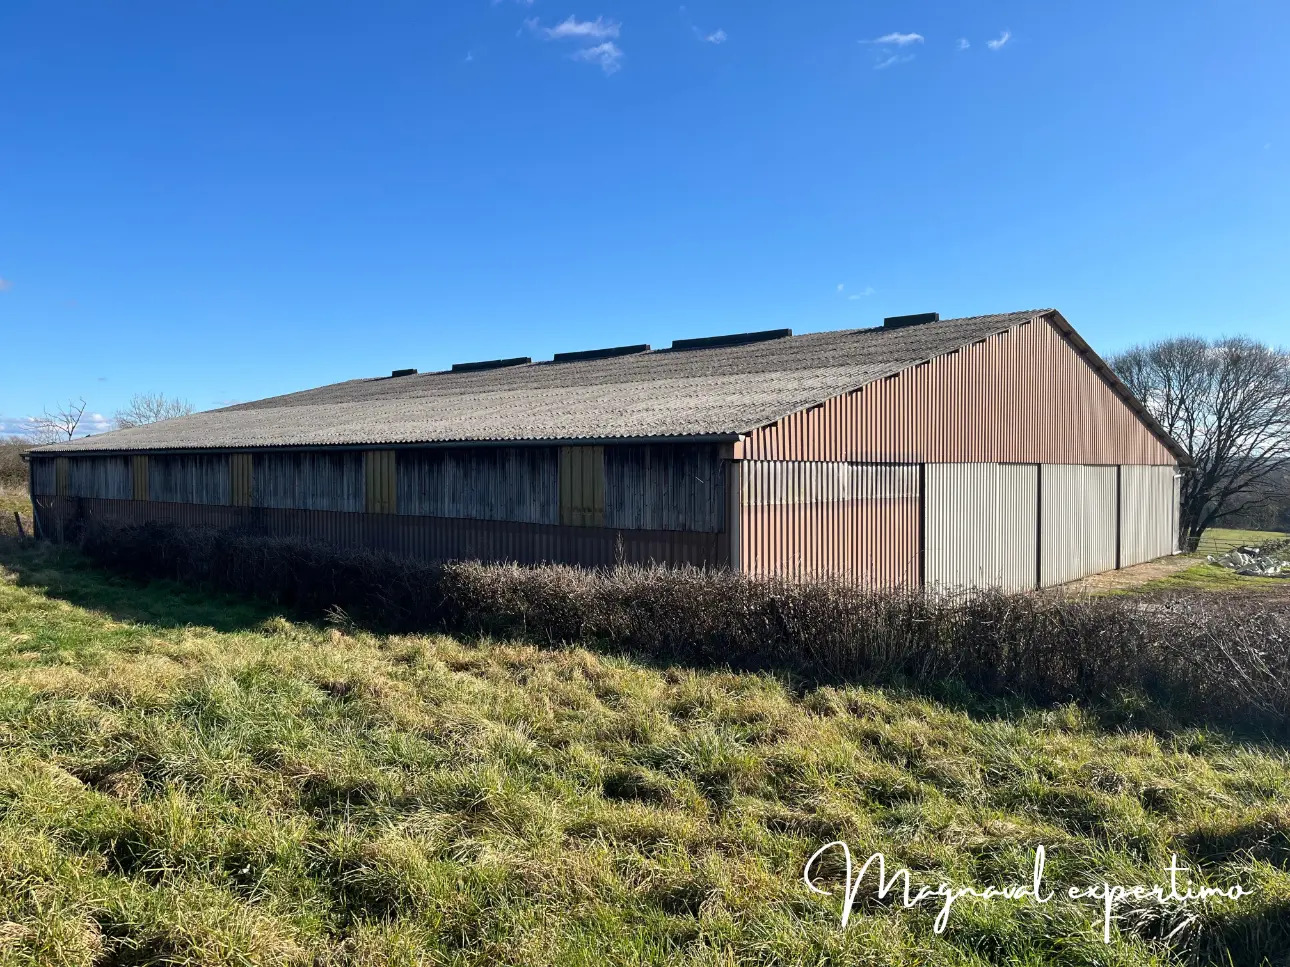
x=308 y=481
x=483 y=483
x=666 y=487
x=189 y=478
x=42 y=476
x=96 y=476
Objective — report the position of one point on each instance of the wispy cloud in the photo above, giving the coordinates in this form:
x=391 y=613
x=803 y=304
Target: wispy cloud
x=717 y=36
x=841 y=286
x=608 y=55
x=868 y=290
x=963 y=43
x=1002 y=39
x=575 y=29
x=898 y=39
x=888 y=61
x=5 y=285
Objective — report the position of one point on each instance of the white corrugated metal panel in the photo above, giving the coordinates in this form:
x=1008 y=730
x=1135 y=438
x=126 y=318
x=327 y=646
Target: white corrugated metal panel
x=981 y=525
x=1148 y=513
x=1077 y=533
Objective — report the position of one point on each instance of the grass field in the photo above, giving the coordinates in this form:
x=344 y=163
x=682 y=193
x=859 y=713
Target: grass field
x=191 y=779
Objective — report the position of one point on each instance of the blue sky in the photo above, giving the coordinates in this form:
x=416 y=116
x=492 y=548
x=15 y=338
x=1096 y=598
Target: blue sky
x=225 y=201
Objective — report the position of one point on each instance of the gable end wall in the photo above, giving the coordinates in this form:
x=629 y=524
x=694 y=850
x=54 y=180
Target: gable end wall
x=1021 y=396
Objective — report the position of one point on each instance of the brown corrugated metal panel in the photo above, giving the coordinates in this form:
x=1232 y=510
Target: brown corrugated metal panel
x=314 y=480
x=380 y=482
x=660 y=487
x=853 y=522
x=1021 y=396
x=98 y=477
x=60 y=476
x=139 y=477
x=582 y=486
x=240 y=468
x=484 y=483
x=1148 y=514
x=424 y=538
x=981 y=523
x=190 y=478
x=1077 y=528
x=42 y=477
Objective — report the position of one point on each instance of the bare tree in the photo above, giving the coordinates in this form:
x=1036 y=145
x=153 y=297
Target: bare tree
x=145 y=408
x=1228 y=403
x=59 y=425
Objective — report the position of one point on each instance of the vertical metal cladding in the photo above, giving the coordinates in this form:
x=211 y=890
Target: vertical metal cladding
x=852 y=522
x=380 y=487
x=42 y=476
x=483 y=483
x=1148 y=513
x=582 y=486
x=97 y=476
x=139 y=477
x=665 y=487
x=61 y=476
x=310 y=480
x=1022 y=396
x=1078 y=508
x=240 y=468
x=187 y=478
x=419 y=537
x=981 y=523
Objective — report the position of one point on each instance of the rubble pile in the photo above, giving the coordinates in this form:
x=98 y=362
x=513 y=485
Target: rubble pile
x=1271 y=560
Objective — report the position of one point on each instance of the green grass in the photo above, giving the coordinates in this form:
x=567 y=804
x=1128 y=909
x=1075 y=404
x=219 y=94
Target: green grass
x=190 y=779
x=1219 y=540
x=11 y=501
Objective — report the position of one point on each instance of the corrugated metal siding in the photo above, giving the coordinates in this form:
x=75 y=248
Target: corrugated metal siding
x=98 y=477
x=1148 y=514
x=1023 y=396
x=981 y=524
x=853 y=522
x=582 y=486
x=308 y=481
x=188 y=478
x=681 y=488
x=139 y=477
x=485 y=483
x=380 y=482
x=240 y=470
x=424 y=538
x=1077 y=533
x=42 y=476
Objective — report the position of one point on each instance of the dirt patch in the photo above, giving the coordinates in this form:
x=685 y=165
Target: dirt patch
x=1132 y=577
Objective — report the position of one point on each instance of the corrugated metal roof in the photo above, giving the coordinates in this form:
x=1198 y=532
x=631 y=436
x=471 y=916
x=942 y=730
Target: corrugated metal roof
x=709 y=392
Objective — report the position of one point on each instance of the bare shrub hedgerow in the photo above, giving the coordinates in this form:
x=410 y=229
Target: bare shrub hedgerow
x=1222 y=658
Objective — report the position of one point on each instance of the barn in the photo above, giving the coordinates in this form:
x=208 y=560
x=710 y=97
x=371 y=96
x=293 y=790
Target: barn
x=995 y=450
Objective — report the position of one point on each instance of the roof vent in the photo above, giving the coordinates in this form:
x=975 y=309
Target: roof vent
x=735 y=339
x=491 y=364
x=601 y=353
x=917 y=319
x=403 y=372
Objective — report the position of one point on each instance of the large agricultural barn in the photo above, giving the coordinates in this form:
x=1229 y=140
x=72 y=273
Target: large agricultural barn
x=995 y=450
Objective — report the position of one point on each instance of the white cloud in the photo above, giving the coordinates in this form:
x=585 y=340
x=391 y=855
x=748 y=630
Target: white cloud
x=608 y=55
x=575 y=29
x=893 y=59
x=717 y=36
x=867 y=291
x=841 y=286
x=900 y=40
x=1003 y=39
x=963 y=43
